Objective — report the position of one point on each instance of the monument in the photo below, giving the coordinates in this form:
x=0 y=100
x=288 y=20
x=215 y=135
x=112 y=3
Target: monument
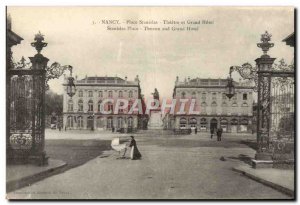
x=155 y=121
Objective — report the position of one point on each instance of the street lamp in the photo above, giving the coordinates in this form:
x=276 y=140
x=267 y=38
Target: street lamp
x=230 y=89
x=71 y=88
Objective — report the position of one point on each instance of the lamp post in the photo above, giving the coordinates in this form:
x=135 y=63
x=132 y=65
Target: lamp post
x=230 y=89
x=71 y=88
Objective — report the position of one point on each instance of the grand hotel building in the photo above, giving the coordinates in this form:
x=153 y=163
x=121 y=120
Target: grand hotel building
x=82 y=111
x=215 y=109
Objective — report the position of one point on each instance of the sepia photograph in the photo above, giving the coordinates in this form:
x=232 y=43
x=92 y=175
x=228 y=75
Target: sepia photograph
x=150 y=103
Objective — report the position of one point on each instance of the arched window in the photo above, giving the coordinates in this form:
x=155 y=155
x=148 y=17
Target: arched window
x=70 y=121
x=80 y=105
x=70 y=105
x=99 y=106
x=80 y=122
x=80 y=93
x=110 y=94
x=182 y=122
x=120 y=94
x=130 y=94
x=193 y=121
x=91 y=106
x=214 y=104
x=203 y=124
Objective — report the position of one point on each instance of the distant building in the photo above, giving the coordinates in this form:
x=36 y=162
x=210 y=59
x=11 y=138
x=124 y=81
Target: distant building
x=215 y=109
x=82 y=111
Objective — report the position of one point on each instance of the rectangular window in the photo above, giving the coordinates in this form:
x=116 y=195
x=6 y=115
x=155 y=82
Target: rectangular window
x=100 y=94
x=80 y=93
x=90 y=93
x=109 y=94
x=245 y=96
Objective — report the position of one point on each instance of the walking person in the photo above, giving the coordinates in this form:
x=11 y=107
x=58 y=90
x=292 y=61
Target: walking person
x=219 y=133
x=135 y=153
x=196 y=130
x=211 y=132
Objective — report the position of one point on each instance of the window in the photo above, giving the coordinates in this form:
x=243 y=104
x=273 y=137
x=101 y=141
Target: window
x=120 y=109
x=120 y=122
x=99 y=106
x=100 y=94
x=130 y=104
x=183 y=95
x=130 y=94
x=203 y=96
x=213 y=107
x=80 y=122
x=214 y=96
x=80 y=105
x=110 y=107
x=109 y=122
x=91 y=106
x=234 y=97
x=203 y=107
x=224 y=97
x=194 y=95
x=245 y=96
x=90 y=93
x=80 y=93
x=120 y=94
x=70 y=121
x=70 y=105
x=110 y=94
x=130 y=122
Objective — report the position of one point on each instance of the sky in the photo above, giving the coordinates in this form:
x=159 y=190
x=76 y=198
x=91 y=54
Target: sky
x=156 y=56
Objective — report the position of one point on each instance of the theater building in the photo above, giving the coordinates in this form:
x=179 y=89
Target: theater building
x=82 y=111
x=215 y=109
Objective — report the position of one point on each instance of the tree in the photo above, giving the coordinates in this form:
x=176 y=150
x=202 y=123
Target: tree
x=54 y=103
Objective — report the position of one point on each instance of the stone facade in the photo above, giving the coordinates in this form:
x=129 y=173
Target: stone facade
x=82 y=111
x=215 y=109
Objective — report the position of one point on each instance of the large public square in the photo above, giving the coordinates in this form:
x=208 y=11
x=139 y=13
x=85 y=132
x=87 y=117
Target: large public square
x=172 y=167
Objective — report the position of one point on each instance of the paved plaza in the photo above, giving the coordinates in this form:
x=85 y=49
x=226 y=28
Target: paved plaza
x=172 y=167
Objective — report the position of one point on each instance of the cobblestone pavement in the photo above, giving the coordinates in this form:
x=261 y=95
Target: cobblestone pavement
x=172 y=167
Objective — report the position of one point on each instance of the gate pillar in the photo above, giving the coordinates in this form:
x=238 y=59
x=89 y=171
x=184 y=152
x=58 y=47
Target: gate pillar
x=264 y=64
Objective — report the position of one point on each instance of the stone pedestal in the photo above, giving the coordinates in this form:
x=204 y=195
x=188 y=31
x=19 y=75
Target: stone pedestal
x=155 y=121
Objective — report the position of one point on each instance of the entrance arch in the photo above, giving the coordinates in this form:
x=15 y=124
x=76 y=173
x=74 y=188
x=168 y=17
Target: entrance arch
x=213 y=124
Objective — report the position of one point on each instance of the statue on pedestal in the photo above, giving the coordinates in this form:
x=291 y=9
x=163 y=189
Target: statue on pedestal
x=155 y=94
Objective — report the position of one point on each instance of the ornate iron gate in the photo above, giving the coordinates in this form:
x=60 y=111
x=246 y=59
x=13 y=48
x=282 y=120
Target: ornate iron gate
x=275 y=104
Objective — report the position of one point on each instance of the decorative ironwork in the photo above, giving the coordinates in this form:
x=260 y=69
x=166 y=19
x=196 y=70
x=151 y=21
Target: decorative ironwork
x=274 y=84
x=54 y=71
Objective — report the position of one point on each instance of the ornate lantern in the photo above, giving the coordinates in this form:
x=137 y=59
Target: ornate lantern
x=230 y=89
x=71 y=88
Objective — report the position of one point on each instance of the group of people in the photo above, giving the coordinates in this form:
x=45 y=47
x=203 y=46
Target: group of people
x=219 y=132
